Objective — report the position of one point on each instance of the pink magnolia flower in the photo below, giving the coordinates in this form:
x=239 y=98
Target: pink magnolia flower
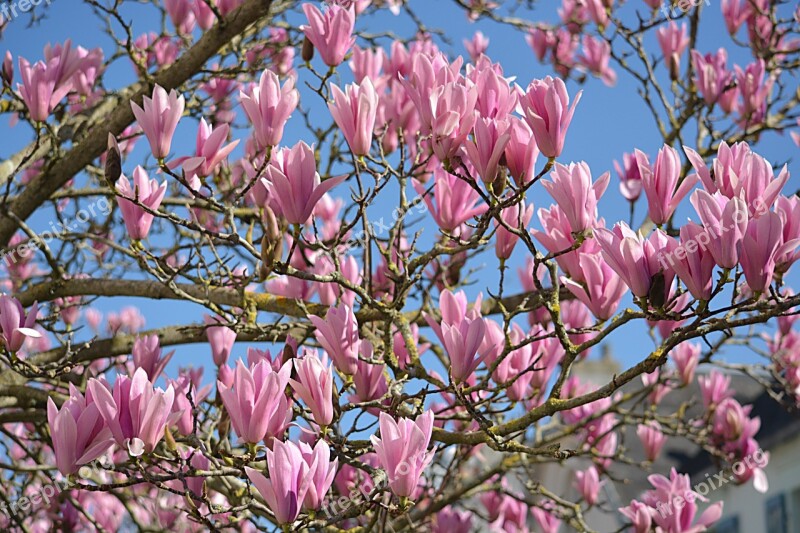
x=762 y=244
x=369 y=63
x=637 y=512
x=203 y=14
x=159 y=118
x=461 y=342
x=402 y=450
x=691 y=261
x=268 y=106
x=288 y=483
x=547 y=521
x=680 y=520
x=755 y=91
x=486 y=149
x=15 y=325
x=575 y=194
x=146 y=355
x=314 y=385
x=725 y=221
x=735 y=13
x=181 y=14
x=79 y=433
x=602 y=289
x=788 y=208
x=516 y=216
x=185 y=385
x=338 y=335
x=135 y=411
x=548 y=113
x=652 y=439
x=449 y=520
x=256 y=402
x=588 y=484
x=541 y=40
x=221 y=338
x=558 y=237
x=673 y=41
x=686 y=357
x=38 y=89
x=354 y=112
x=210 y=150
x=369 y=379
x=521 y=152
x=321 y=473
x=711 y=74
x=476 y=46
x=453 y=201
x=452 y=116
x=714 y=388
x=660 y=182
x=294 y=183
x=630 y=179
x=595 y=57
x=635 y=259
x=738 y=171
x=330 y=32
x=145 y=191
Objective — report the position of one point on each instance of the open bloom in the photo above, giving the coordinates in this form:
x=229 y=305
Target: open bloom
x=711 y=74
x=402 y=450
x=602 y=289
x=135 y=411
x=314 y=385
x=210 y=150
x=454 y=201
x=660 y=182
x=145 y=191
x=635 y=259
x=330 y=32
x=268 y=106
x=321 y=472
x=575 y=194
x=337 y=333
x=354 y=112
x=589 y=484
x=257 y=402
x=15 y=325
x=288 y=482
x=548 y=113
x=79 y=433
x=158 y=118
x=294 y=183
x=725 y=221
x=595 y=57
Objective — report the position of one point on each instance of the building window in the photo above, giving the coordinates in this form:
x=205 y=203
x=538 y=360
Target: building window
x=776 y=515
x=727 y=525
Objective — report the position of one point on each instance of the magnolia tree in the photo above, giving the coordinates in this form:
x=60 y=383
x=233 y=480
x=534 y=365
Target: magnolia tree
x=396 y=378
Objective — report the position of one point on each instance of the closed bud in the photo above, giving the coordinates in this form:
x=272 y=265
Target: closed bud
x=113 y=166
x=307 y=52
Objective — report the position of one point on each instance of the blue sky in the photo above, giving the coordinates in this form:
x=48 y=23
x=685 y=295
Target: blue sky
x=608 y=122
